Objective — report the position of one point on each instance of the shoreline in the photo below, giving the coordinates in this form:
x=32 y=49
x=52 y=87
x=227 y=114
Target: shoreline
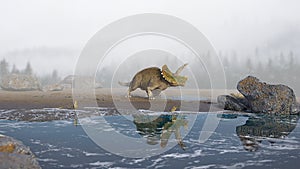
x=192 y=100
x=58 y=105
x=63 y=99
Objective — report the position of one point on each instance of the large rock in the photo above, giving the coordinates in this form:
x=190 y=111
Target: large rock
x=13 y=154
x=259 y=97
x=20 y=82
x=267 y=98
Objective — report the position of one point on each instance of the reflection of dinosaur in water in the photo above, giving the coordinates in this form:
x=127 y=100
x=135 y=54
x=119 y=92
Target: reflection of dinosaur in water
x=265 y=126
x=160 y=128
x=155 y=79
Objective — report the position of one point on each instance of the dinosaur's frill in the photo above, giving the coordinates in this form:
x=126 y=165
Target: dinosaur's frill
x=173 y=79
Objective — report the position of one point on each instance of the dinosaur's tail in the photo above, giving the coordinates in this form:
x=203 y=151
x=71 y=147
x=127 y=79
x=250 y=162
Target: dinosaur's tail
x=124 y=83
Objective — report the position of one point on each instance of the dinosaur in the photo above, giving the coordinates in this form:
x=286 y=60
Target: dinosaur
x=155 y=79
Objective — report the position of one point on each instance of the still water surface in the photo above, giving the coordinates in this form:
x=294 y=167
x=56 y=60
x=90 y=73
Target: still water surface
x=239 y=141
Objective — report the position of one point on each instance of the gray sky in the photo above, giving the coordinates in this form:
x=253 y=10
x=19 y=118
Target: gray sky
x=51 y=33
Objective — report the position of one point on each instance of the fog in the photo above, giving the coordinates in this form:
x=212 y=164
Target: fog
x=51 y=34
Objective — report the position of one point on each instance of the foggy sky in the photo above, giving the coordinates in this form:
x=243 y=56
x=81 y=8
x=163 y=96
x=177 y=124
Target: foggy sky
x=59 y=29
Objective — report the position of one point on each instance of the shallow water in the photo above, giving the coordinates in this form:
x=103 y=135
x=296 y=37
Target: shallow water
x=239 y=141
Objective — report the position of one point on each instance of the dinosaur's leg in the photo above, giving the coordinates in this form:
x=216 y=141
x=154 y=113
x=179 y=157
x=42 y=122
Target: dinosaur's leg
x=128 y=93
x=152 y=85
x=133 y=85
x=149 y=93
x=131 y=89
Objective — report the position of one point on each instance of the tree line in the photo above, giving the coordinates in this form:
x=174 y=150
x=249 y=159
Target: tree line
x=44 y=79
x=4 y=69
x=281 y=69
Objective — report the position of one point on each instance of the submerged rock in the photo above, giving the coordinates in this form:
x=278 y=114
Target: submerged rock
x=14 y=154
x=40 y=115
x=50 y=114
x=20 y=82
x=259 y=97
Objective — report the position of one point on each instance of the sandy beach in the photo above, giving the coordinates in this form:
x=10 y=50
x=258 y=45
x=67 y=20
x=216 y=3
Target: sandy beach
x=105 y=98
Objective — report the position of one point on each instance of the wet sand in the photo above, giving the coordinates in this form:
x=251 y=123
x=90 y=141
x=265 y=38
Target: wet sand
x=105 y=98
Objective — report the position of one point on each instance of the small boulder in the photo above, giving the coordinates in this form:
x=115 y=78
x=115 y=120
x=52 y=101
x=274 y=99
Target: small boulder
x=14 y=154
x=231 y=103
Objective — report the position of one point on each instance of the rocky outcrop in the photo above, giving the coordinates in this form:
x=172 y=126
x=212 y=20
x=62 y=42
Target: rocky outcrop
x=85 y=82
x=13 y=154
x=53 y=87
x=20 y=82
x=259 y=97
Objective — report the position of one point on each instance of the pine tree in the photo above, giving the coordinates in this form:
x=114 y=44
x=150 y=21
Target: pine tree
x=259 y=68
x=54 y=76
x=15 y=70
x=282 y=60
x=291 y=63
x=3 y=68
x=256 y=52
x=28 y=69
x=270 y=69
x=249 y=66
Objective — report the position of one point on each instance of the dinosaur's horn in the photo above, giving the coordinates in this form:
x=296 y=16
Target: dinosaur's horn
x=179 y=70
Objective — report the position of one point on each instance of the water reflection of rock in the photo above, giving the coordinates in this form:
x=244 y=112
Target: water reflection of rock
x=160 y=128
x=263 y=127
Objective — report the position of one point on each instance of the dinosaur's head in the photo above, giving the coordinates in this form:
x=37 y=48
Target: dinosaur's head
x=174 y=78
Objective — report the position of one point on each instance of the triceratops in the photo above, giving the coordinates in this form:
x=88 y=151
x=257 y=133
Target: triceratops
x=155 y=79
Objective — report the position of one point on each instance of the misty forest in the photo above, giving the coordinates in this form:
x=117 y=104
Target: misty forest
x=7 y=69
x=281 y=68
